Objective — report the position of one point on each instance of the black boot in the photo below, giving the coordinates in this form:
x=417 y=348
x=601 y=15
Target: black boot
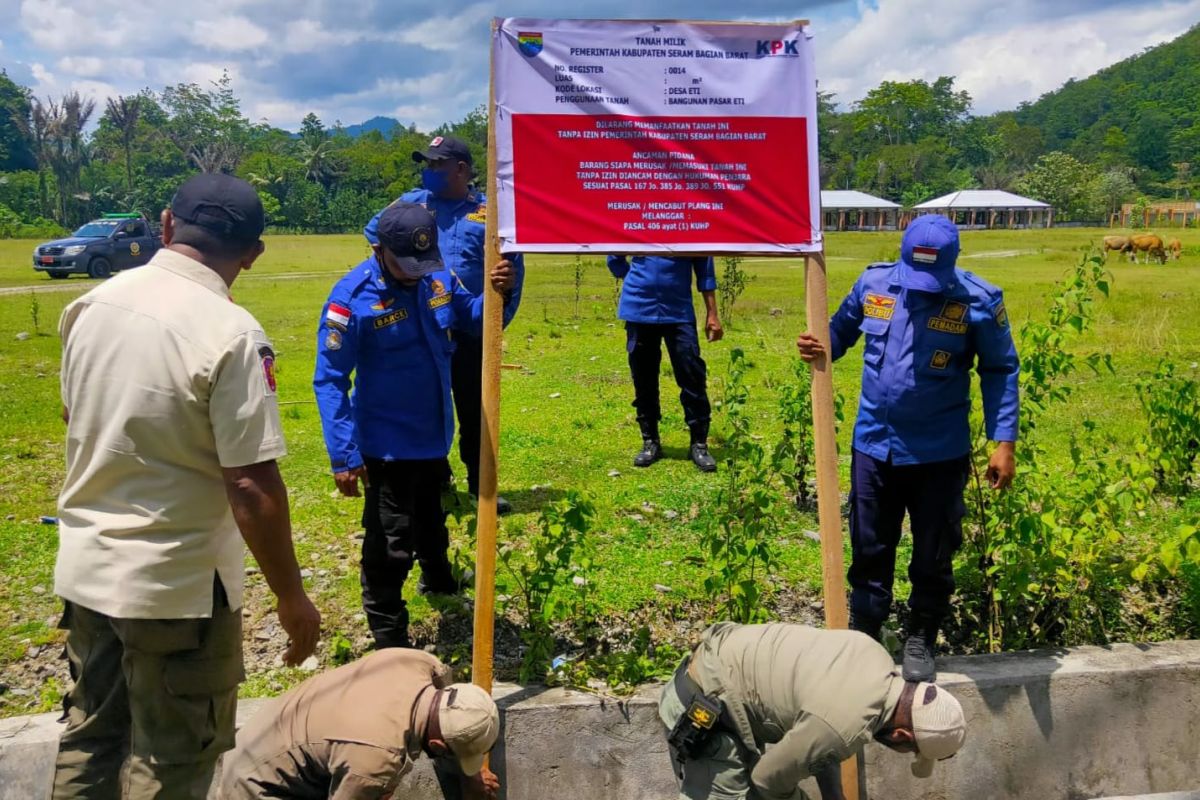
x=869 y=625
x=389 y=630
x=699 y=450
x=919 y=647
x=651 y=449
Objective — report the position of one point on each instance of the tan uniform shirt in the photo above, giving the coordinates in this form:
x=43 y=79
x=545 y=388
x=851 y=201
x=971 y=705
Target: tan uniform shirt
x=166 y=381
x=807 y=697
x=347 y=734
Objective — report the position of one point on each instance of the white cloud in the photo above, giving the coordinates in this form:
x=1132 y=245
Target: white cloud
x=232 y=33
x=307 y=35
x=433 y=33
x=1002 y=55
x=96 y=67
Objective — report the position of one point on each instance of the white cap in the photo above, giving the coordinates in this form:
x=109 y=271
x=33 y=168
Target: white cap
x=470 y=724
x=938 y=727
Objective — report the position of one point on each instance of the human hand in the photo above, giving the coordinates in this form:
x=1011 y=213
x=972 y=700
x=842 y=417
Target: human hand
x=713 y=329
x=301 y=621
x=810 y=347
x=484 y=786
x=347 y=482
x=1002 y=466
x=504 y=276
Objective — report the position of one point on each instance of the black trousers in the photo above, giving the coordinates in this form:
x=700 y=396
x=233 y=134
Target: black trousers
x=404 y=522
x=880 y=493
x=644 y=341
x=466 y=382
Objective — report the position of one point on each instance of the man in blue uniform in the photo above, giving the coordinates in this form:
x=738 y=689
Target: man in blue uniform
x=461 y=215
x=656 y=306
x=925 y=323
x=389 y=322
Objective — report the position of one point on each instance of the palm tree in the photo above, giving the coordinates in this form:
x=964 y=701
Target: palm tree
x=320 y=161
x=36 y=129
x=124 y=113
x=67 y=148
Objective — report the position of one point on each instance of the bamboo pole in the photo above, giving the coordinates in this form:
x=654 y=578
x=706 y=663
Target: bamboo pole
x=489 y=423
x=829 y=497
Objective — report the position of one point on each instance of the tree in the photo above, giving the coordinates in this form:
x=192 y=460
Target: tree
x=1061 y=180
x=1109 y=191
x=16 y=151
x=207 y=125
x=67 y=149
x=124 y=113
x=36 y=129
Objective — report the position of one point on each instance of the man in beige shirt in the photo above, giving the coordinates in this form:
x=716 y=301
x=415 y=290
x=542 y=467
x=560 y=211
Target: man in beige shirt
x=352 y=733
x=173 y=433
x=758 y=708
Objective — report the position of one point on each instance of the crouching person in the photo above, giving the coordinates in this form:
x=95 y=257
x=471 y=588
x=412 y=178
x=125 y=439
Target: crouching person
x=758 y=708
x=354 y=732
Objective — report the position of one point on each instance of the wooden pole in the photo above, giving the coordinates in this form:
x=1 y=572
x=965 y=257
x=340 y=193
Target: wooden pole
x=489 y=424
x=829 y=496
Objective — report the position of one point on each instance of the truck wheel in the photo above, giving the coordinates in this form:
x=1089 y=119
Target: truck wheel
x=59 y=275
x=99 y=267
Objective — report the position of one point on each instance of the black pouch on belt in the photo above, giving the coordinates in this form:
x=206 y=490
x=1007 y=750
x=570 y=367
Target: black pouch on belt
x=694 y=729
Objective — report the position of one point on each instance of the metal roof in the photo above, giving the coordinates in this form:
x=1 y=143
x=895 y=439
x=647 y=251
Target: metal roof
x=981 y=198
x=852 y=199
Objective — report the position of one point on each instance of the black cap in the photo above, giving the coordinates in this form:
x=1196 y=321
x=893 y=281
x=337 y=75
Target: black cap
x=221 y=204
x=441 y=147
x=408 y=230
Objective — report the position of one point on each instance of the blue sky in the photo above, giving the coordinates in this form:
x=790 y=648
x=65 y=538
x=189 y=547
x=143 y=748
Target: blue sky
x=427 y=62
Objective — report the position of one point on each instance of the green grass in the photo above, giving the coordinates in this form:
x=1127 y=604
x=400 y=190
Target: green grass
x=566 y=421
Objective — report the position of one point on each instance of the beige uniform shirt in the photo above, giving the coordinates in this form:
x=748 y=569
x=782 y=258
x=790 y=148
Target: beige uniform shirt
x=347 y=734
x=166 y=381
x=806 y=697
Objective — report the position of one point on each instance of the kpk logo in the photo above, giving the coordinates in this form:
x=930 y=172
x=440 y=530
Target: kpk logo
x=766 y=47
x=529 y=43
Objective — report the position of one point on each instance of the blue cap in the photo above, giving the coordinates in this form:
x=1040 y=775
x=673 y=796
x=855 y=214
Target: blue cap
x=928 y=253
x=408 y=230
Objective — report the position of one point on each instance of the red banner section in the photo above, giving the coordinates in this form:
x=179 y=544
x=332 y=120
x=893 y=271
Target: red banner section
x=634 y=181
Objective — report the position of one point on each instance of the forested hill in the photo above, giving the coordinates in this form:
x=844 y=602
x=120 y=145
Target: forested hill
x=1144 y=111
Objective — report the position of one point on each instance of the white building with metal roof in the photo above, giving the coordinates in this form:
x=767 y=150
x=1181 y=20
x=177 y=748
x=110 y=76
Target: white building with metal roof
x=858 y=211
x=989 y=208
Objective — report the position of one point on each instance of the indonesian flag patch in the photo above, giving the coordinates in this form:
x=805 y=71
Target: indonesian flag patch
x=925 y=255
x=337 y=316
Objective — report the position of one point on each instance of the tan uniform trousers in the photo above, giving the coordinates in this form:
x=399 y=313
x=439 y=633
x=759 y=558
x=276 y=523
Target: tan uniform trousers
x=161 y=694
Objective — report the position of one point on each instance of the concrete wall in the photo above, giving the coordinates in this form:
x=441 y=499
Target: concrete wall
x=1086 y=723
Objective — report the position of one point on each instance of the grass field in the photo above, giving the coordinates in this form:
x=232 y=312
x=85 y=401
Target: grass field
x=566 y=421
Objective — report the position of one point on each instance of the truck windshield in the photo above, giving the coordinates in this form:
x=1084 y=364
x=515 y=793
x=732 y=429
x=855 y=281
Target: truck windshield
x=98 y=229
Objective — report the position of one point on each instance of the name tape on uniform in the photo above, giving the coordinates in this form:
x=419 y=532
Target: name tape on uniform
x=391 y=318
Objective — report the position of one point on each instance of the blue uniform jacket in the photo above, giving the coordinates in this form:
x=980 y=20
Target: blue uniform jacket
x=396 y=341
x=658 y=289
x=462 y=236
x=918 y=352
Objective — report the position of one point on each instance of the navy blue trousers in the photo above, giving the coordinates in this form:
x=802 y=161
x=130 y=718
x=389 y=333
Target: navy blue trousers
x=880 y=494
x=644 y=343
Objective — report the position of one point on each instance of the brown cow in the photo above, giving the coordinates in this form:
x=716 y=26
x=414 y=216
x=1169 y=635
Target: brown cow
x=1151 y=245
x=1118 y=243
x=1176 y=248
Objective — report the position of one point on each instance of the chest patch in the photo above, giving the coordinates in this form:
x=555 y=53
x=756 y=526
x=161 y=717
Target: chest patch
x=479 y=215
x=391 y=318
x=954 y=311
x=953 y=319
x=440 y=300
x=878 y=306
x=940 y=359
